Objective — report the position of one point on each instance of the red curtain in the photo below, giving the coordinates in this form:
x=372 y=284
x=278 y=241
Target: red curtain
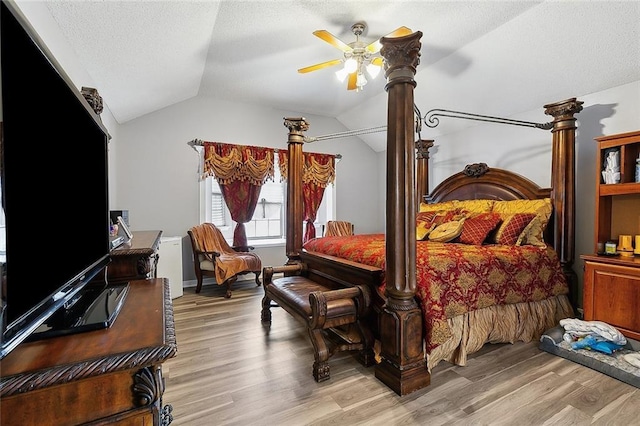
x=318 y=171
x=240 y=171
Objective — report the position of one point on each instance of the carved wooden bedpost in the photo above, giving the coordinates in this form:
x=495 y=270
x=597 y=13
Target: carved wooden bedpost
x=403 y=365
x=422 y=172
x=295 y=213
x=563 y=171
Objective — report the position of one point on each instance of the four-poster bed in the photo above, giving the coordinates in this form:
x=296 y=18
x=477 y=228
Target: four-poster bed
x=395 y=316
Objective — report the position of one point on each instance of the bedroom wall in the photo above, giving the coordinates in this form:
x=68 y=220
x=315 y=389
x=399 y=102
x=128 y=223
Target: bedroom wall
x=528 y=150
x=157 y=170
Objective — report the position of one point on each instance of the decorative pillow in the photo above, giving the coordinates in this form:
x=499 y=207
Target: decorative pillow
x=533 y=234
x=447 y=231
x=434 y=207
x=427 y=221
x=511 y=228
x=439 y=217
x=476 y=228
x=423 y=229
x=474 y=206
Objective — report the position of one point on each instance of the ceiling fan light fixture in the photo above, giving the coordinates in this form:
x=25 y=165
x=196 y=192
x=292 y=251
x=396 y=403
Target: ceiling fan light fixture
x=361 y=80
x=357 y=56
x=373 y=70
x=351 y=65
x=342 y=74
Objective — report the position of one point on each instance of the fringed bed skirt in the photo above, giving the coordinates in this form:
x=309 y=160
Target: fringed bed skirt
x=499 y=324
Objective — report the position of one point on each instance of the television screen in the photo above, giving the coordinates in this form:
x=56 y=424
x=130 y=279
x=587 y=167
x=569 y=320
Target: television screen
x=54 y=183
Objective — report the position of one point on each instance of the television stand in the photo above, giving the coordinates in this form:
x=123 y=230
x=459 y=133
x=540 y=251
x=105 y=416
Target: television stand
x=112 y=375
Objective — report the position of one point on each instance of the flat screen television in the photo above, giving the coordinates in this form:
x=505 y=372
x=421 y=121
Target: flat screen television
x=54 y=224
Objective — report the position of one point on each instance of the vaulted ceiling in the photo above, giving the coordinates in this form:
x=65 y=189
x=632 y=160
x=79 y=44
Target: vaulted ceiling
x=488 y=57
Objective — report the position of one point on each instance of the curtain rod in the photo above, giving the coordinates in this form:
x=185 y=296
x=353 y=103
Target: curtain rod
x=430 y=120
x=199 y=142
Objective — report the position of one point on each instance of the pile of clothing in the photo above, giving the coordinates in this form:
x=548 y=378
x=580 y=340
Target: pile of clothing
x=595 y=335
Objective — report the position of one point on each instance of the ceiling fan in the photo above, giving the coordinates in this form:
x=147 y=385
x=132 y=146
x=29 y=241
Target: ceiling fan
x=358 y=56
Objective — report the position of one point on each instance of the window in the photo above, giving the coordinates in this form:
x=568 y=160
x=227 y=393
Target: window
x=269 y=219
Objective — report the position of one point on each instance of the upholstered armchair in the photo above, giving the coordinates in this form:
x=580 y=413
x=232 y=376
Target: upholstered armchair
x=213 y=257
x=338 y=228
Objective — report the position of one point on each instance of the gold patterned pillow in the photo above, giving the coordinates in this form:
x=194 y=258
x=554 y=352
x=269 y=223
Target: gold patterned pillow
x=474 y=206
x=512 y=226
x=533 y=234
x=427 y=221
x=447 y=231
x=434 y=207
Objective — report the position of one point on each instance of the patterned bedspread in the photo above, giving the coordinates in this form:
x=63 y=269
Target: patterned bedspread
x=453 y=278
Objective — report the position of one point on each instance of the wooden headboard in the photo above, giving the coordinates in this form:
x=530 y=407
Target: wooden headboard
x=479 y=181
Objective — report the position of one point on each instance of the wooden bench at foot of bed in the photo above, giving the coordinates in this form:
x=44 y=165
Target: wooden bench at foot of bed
x=332 y=314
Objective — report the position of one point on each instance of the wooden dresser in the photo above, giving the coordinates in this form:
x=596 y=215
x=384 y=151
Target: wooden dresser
x=109 y=376
x=135 y=259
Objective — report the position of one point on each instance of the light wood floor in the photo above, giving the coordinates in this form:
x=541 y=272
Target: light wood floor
x=229 y=370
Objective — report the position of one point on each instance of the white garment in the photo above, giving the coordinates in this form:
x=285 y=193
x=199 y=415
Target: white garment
x=576 y=329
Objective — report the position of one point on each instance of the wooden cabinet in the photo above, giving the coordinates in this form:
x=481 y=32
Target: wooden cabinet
x=109 y=376
x=135 y=259
x=612 y=292
x=612 y=283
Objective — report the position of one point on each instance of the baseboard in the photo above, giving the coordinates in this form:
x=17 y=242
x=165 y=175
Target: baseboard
x=212 y=281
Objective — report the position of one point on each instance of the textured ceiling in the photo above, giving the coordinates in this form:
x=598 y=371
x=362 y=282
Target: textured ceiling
x=477 y=56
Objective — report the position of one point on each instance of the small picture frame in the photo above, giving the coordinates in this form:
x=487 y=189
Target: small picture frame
x=123 y=226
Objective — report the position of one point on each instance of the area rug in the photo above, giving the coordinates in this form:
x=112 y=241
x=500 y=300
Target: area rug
x=612 y=365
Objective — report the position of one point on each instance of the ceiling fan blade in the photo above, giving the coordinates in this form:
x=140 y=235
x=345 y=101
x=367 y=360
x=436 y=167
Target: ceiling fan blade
x=332 y=40
x=351 y=84
x=398 y=32
x=320 y=66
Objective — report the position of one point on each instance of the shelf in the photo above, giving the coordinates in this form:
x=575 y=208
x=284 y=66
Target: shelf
x=619 y=188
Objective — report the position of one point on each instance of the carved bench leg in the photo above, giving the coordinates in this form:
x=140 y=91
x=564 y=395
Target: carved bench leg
x=321 y=354
x=367 y=355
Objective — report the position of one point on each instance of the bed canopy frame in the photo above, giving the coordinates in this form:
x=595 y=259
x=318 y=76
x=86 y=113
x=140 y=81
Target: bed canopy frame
x=403 y=366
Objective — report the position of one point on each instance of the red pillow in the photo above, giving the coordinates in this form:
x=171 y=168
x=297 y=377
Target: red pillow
x=511 y=227
x=476 y=228
x=439 y=217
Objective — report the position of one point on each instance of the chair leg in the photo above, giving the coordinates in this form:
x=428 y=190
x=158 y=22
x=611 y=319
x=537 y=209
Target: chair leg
x=228 y=283
x=258 y=278
x=266 y=310
x=199 y=285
